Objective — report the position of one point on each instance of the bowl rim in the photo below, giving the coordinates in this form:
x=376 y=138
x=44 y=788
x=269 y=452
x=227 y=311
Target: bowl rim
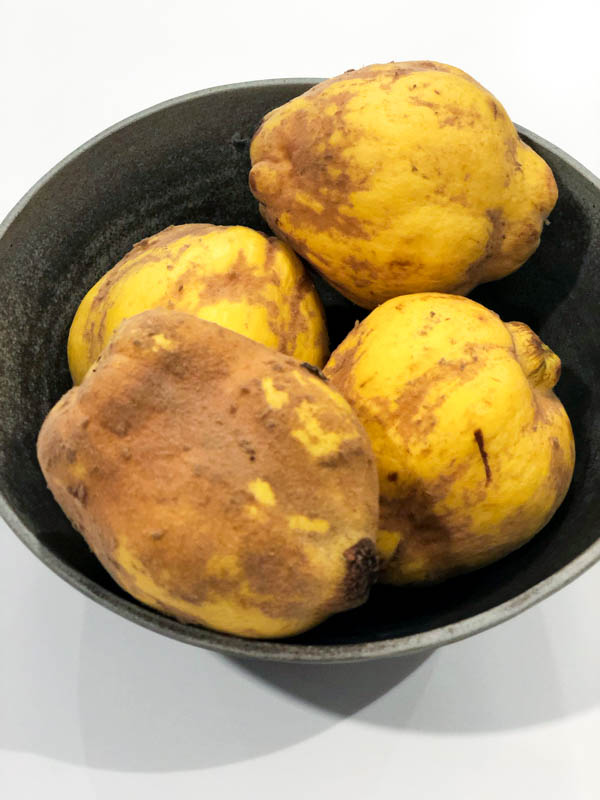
x=280 y=650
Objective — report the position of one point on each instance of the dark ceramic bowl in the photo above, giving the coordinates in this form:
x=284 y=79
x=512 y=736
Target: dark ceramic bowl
x=186 y=160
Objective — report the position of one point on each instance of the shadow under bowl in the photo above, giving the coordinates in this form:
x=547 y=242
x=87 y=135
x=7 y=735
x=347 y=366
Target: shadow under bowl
x=187 y=160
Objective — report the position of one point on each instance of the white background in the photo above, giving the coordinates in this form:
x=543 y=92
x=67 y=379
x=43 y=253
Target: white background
x=92 y=706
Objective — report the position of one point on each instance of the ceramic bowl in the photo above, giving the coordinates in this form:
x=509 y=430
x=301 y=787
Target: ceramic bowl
x=187 y=160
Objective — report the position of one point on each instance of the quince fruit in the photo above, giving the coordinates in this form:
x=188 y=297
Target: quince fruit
x=400 y=178
x=474 y=450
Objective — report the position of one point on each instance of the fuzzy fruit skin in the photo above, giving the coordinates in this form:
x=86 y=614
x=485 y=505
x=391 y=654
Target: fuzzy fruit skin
x=399 y=178
x=231 y=275
x=474 y=450
x=217 y=480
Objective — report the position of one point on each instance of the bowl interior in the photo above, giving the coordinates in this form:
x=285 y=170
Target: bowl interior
x=187 y=161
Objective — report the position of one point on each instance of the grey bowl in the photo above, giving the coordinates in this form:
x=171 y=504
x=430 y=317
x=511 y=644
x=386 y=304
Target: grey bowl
x=187 y=160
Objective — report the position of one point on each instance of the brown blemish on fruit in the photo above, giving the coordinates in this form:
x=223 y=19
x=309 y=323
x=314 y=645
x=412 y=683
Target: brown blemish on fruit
x=459 y=116
x=511 y=144
x=419 y=101
x=241 y=282
x=561 y=470
x=248 y=449
x=362 y=565
x=478 y=434
x=79 y=491
x=388 y=74
x=345 y=357
x=275 y=567
x=132 y=262
x=294 y=152
x=426 y=534
x=486 y=267
x=415 y=416
x=119 y=427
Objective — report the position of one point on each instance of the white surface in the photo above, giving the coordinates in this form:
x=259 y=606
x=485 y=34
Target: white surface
x=92 y=706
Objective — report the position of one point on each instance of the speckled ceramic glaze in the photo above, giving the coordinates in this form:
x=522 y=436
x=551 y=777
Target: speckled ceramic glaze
x=187 y=161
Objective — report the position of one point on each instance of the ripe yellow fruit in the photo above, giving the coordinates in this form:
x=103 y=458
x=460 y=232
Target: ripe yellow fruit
x=399 y=178
x=231 y=275
x=217 y=481
x=474 y=450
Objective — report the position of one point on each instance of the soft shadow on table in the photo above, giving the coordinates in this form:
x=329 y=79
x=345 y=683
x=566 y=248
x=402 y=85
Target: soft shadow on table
x=541 y=666
x=340 y=689
x=96 y=690
x=149 y=704
x=83 y=686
